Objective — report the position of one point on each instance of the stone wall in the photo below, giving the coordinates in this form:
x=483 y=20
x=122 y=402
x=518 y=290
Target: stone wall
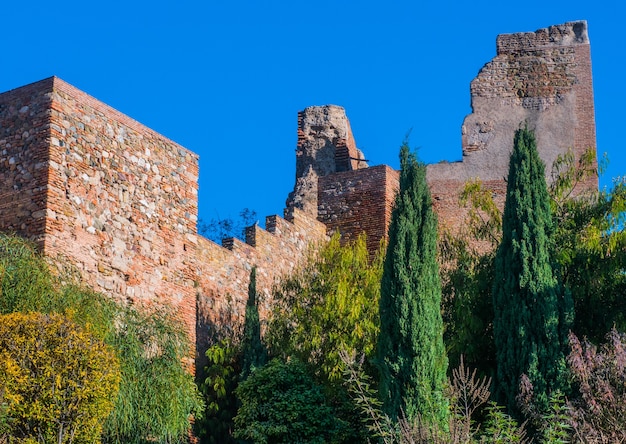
x=325 y=146
x=540 y=79
x=24 y=157
x=223 y=274
x=119 y=202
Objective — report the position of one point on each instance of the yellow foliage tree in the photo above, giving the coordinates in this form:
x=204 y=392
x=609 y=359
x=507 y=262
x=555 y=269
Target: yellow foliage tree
x=58 y=381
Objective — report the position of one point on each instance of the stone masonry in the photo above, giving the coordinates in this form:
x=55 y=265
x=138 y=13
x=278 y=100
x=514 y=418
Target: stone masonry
x=119 y=201
x=541 y=79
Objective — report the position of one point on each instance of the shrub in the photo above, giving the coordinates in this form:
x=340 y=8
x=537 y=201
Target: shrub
x=59 y=382
x=280 y=403
x=598 y=414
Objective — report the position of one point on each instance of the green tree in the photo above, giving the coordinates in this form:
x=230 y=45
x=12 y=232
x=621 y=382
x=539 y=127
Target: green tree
x=59 y=382
x=590 y=243
x=253 y=352
x=467 y=258
x=281 y=403
x=157 y=394
x=532 y=312
x=327 y=306
x=221 y=378
x=411 y=353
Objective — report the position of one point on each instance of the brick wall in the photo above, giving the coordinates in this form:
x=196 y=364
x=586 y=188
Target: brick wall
x=119 y=202
x=223 y=273
x=358 y=201
x=541 y=79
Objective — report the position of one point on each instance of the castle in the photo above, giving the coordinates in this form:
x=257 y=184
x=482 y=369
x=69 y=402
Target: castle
x=120 y=201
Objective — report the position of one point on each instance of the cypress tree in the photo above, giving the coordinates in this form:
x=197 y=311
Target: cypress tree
x=253 y=352
x=410 y=348
x=531 y=311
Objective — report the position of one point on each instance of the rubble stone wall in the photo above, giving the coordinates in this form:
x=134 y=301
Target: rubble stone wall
x=24 y=156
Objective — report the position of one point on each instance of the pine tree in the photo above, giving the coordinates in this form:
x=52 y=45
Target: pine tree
x=532 y=313
x=253 y=352
x=410 y=347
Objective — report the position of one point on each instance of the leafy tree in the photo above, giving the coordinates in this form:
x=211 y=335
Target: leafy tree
x=59 y=382
x=590 y=243
x=280 y=403
x=157 y=393
x=218 y=229
x=326 y=306
x=253 y=352
x=532 y=312
x=411 y=353
x=222 y=376
x=467 y=259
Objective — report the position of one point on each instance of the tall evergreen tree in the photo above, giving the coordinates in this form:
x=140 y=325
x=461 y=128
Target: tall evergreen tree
x=253 y=352
x=410 y=348
x=532 y=313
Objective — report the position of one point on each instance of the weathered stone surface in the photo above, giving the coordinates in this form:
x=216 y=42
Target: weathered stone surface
x=541 y=79
x=325 y=146
x=119 y=202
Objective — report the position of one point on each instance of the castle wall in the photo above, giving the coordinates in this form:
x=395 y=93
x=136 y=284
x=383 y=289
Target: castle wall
x=24 y=155
x=223 y=274
x=121 y=203
x=118 y=202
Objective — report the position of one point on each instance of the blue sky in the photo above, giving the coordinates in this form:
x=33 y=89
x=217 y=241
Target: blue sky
x=226 y=79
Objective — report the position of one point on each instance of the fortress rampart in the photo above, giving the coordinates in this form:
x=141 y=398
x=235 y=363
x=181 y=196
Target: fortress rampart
x=120 y=201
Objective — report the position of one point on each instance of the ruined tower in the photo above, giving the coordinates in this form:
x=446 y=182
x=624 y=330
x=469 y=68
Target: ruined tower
x=541 y=79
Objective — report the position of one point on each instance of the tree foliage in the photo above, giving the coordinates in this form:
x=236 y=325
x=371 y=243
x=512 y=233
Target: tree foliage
x=218 y=229
x=410 y=348
x=221 y=378
x=253 y=352
x=281 y=403
x=59 y=382
x=467 y=267
x=532 y=312
x=157 y=393
x=328 y=305
x=590 y=243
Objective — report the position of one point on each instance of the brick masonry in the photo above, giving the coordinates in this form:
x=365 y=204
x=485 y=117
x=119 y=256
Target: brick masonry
x=120 y=201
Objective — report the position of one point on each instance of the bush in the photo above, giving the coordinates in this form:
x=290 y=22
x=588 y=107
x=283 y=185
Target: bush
x=280 y=403
x=598 y=414
x=59 y=382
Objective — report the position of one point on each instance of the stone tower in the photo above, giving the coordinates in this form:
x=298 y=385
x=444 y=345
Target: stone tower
x=541 y=79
